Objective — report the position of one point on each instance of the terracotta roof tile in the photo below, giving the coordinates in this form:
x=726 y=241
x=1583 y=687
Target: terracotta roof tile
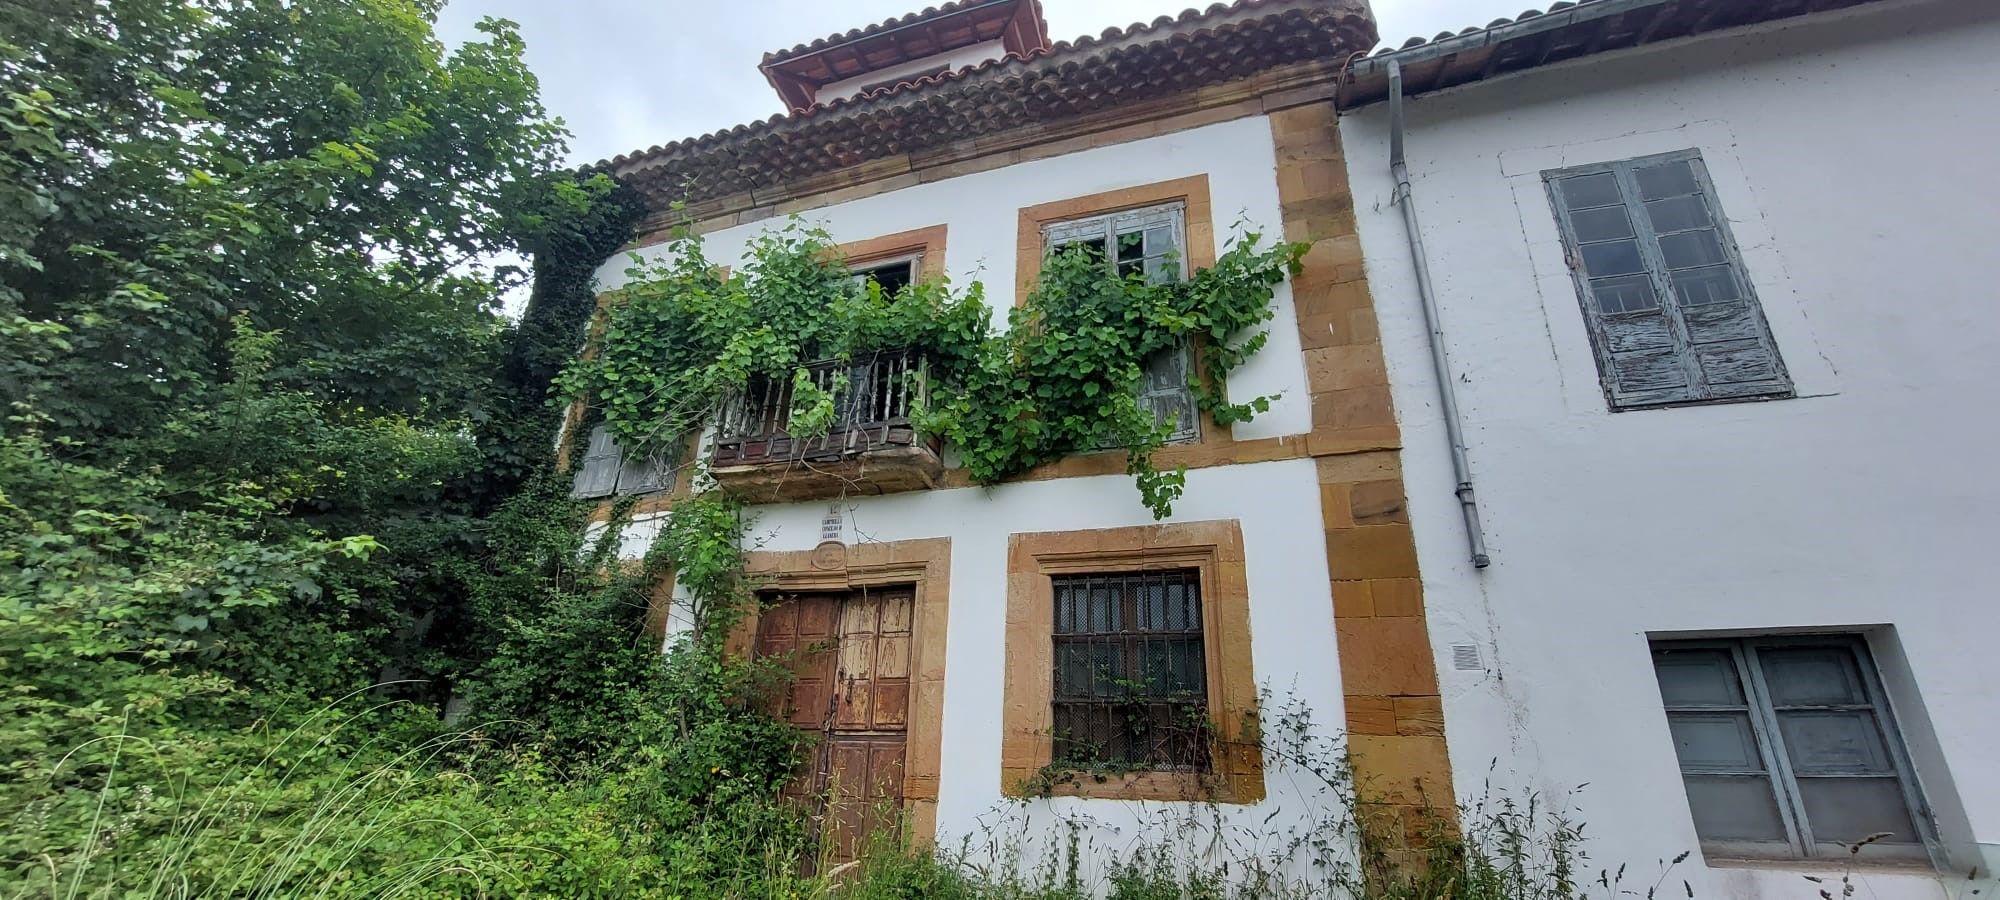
x=852 y=34
x=1064 y=52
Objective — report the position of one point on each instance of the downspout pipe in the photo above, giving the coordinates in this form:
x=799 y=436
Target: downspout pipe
x=1468 y=503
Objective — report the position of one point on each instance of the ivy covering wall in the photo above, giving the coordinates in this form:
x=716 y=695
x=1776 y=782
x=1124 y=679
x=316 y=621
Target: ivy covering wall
x=1061 y=378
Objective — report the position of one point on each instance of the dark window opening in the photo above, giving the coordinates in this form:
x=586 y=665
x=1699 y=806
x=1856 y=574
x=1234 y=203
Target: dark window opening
x=892 y=276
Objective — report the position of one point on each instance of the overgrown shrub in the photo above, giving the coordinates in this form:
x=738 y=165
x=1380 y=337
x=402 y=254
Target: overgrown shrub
x=681 y=337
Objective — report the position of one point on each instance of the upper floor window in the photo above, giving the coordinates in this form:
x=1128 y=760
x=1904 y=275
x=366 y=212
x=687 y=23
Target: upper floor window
x=1148 y=242
x=605 y=469
x=1131 y=679
x=896 y=261
x=892 y=274
x=1671 y=313
x=1787 y=748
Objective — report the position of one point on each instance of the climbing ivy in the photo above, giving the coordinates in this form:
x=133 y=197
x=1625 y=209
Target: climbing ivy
x=568 y=224
x=680 y=336
x=1062 y=378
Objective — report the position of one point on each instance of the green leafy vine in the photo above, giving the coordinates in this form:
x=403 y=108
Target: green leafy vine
x=1061 y=379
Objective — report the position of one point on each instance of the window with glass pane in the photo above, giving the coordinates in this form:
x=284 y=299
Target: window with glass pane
x=604 y=470
x=1787 y=748
x=1145 y=242
x=893 y=275
x=1671 y=314
x=1131 y=678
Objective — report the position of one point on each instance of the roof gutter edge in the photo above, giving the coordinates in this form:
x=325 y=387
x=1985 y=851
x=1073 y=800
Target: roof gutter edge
x=1378 y=63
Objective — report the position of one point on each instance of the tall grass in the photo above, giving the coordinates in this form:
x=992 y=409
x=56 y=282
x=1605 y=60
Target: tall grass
x=317 y=811
x=375 y=800
x=1508 y=851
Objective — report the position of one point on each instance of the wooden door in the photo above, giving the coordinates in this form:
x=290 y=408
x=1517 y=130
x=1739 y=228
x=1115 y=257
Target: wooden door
x=851 y=660
x=802 y=629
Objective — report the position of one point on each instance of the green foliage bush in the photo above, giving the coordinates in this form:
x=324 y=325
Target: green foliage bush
x=680 y=337
x=1062 y=378
x=257 y=403
x=115 y=602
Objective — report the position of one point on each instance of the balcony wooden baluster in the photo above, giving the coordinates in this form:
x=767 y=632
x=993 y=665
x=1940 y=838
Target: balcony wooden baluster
x=870 y=448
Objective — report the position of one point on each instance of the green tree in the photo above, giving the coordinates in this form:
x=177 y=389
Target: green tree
x=324 y=167
x=320 y=184
x=253 y=378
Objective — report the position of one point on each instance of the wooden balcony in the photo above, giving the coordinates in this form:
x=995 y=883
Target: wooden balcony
x=871 y=447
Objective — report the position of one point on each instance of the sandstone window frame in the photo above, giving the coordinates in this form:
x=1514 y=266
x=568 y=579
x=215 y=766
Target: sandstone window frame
x=1186 y=200
x=923 y=247
x=1214 y=549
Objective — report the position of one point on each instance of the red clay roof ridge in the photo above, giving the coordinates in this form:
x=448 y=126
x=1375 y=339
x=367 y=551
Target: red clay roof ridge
x=1161 y=28
x=854 y=34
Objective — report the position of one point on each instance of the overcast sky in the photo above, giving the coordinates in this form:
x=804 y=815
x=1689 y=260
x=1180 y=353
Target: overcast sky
x=628 y=74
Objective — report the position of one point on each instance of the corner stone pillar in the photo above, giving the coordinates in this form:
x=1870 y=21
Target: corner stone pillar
x=1395 y=719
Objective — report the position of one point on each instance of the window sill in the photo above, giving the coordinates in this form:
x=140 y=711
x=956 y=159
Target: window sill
x=1824 y=866
x=1187 y=787
x=1711 y=401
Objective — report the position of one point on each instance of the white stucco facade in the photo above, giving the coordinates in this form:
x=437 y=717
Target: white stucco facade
x=1275 y=503
x=1852 y=156
x=1849 y=152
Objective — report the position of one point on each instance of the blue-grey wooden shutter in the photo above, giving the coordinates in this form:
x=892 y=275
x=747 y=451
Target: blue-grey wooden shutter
x=1788 y=749
x=1725 y=767
x=641 y=475
x=1671 y=313
x=597 y=474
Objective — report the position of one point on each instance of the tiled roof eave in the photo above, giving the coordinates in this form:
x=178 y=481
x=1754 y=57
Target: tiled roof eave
x=1171 y=59
x=1189 y=22
x=1566 y=31
x=854 y=34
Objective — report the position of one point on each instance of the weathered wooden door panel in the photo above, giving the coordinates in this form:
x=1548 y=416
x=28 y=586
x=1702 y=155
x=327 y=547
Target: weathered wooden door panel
x=874 y=667
x=864 y=791
x=850 y=654
x=803 y=627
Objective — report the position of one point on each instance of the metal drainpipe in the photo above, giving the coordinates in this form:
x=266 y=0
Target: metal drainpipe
x=1447 y=394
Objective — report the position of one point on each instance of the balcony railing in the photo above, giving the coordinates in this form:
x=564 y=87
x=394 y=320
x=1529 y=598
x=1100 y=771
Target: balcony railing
x=871 y=413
